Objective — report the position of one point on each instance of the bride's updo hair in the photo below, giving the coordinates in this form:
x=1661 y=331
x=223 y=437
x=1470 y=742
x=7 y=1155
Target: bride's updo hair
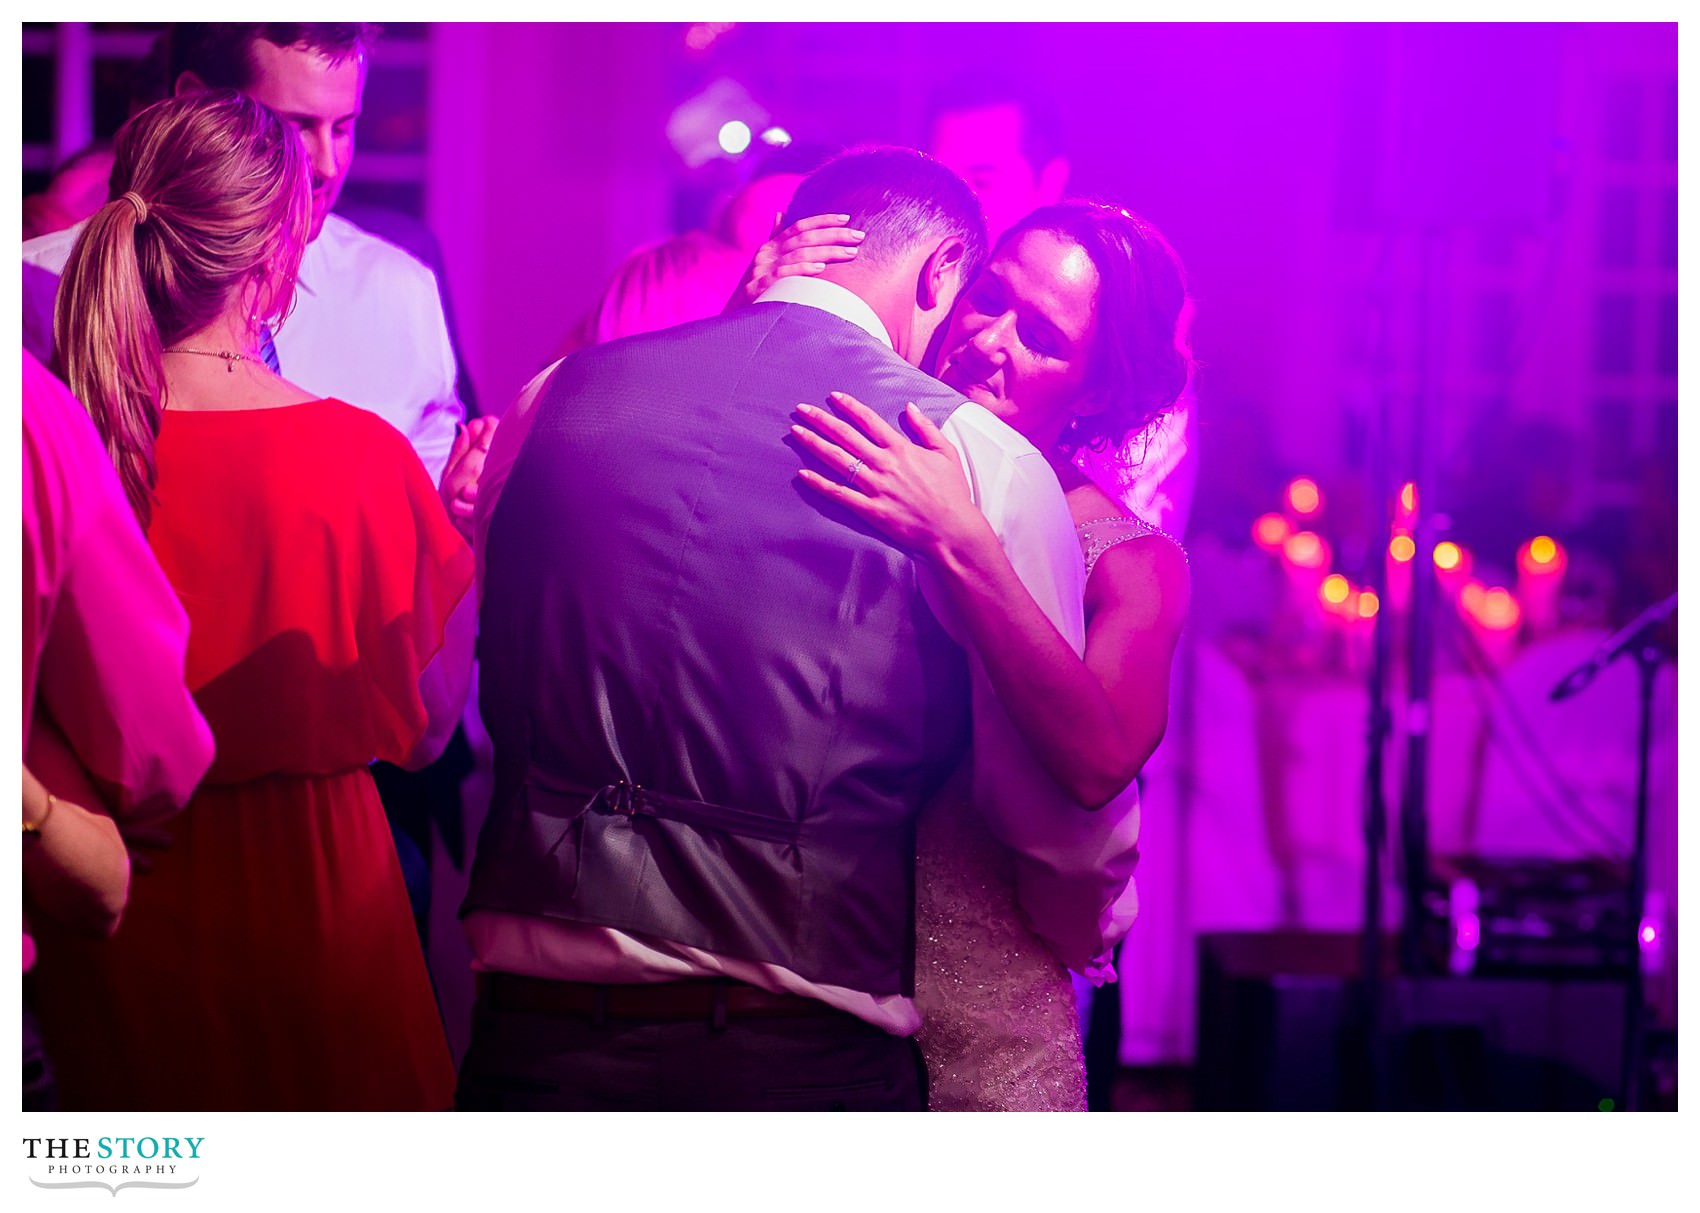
x=210 y=209
x=1140 y=361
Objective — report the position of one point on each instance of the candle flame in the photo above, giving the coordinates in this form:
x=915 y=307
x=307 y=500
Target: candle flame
x=1306 y=549
x=1498 y=610
x=1270 y=531
x=1304 y=496
x=1541 y=554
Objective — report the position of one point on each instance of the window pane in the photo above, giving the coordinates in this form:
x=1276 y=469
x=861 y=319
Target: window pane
x=1614 y=334
x=1668 y=340
x=1667 y=230
x=1495 y=315
x=1664 y=431
x=1618 y=226
x=1620 y=133
x=1612 y=422
x=1667 y=124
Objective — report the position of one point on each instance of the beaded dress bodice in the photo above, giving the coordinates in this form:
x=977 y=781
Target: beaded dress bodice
x=1099 y=535
x=1000 y=1029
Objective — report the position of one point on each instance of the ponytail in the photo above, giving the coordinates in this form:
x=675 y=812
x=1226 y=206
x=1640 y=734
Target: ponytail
x=107 y=343
x=215 y=198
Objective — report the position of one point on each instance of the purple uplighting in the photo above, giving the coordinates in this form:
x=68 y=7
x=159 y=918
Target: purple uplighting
x=1279 y=473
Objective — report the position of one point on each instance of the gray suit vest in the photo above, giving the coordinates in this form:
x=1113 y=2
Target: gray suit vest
x=717 y=701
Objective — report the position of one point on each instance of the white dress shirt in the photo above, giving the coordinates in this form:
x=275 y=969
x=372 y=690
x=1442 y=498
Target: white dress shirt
x=1073 y=865
x=367 y=328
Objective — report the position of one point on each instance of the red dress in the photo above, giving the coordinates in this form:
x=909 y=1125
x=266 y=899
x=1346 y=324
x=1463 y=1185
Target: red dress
x=269 y=960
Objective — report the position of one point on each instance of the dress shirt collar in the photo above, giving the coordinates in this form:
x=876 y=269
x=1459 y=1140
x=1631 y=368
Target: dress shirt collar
x=828 y=297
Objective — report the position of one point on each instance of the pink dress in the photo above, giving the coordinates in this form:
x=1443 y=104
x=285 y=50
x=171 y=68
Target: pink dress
x=107 y=719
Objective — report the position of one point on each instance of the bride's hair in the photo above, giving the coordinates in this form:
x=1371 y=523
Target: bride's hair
x=1141 y=360
x=210 y=209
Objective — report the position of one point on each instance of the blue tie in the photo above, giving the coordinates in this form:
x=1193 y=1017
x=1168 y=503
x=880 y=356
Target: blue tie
x=268 y=351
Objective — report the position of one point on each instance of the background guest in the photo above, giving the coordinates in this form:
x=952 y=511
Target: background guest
x=690 y=276
x=368 y=323
x=1008 y=144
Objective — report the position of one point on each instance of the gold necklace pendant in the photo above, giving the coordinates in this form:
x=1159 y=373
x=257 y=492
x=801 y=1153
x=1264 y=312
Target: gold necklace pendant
x=230 y=358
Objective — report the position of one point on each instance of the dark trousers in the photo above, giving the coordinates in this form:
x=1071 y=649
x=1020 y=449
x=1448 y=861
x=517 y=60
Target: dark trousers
x=522 y=1061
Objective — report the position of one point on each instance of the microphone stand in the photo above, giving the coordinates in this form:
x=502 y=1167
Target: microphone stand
x=1636 y=639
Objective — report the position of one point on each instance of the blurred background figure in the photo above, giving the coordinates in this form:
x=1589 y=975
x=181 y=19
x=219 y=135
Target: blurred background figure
x=112 y=739
x=1005 y=141
x=691 y=276
x=76 y=192
x=1008 y=143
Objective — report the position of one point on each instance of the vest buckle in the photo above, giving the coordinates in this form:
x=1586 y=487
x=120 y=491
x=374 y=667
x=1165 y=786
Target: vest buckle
x=621 y=799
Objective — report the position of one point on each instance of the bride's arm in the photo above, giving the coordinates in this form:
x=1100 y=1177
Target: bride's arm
x=1091 y=723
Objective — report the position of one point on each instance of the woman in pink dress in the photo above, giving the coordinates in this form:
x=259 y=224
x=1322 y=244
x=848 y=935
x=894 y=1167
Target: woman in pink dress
x=113 y=742
x=268 y=961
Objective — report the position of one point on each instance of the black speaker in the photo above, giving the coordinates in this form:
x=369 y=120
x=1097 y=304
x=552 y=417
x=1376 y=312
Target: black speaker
x=1279 y=1030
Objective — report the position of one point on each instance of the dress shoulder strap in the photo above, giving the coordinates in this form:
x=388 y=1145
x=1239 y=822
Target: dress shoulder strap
x=1099 y=535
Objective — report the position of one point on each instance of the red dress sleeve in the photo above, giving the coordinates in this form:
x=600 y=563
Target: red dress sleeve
x=419 y=569
x=319 y=569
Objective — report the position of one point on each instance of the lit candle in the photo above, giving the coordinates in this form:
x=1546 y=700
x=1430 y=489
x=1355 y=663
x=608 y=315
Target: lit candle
x=1405 y=511
x=1493 y=617
x=1540 y=574
x=1452 y=563
x=1305 y=557
x=1364 y=606
x=1304 y=499
x=1270 y=531
x=1335 y=595
x=1401 y=553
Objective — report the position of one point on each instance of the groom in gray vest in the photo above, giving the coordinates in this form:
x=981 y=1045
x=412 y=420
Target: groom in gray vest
x=718 y=702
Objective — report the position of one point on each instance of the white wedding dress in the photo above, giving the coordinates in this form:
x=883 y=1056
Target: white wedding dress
x=1000 y=1030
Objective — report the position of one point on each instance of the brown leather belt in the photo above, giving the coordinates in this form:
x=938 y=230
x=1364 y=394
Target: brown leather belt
x=711 y=999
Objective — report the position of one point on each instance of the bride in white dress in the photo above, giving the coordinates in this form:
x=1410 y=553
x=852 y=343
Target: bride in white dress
x=1070 y=335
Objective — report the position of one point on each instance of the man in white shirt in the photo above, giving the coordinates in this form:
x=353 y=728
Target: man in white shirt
x=367 y=326
x=717 y=706
x=1008 y=145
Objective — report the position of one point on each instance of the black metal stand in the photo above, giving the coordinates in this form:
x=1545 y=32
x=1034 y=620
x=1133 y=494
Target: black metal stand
x=1372 y=1088
x=1647 y=658
x=1413 y=801
x=1636 y=639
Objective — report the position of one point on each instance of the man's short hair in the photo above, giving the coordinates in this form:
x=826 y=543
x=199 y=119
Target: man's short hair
x=899 y=197
x=220 y=53
x=1042 y=139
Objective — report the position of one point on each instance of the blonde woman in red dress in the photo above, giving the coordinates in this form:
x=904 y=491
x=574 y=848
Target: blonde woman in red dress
x=269 y=960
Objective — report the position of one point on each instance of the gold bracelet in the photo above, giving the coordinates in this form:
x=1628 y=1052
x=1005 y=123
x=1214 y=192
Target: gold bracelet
x=35 y=827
